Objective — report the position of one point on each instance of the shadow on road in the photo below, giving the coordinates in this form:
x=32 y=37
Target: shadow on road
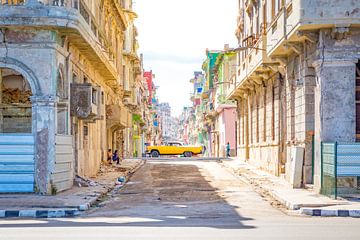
x=159 y=195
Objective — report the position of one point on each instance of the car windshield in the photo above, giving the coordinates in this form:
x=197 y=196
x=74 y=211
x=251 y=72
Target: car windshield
x=173 y=144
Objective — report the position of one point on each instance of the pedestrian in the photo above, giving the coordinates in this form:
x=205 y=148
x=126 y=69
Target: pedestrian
x=115 y=157
x=228 y=149
x=109 y=156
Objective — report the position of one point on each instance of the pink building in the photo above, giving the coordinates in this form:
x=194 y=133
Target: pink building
x=149 y=80
x=225 y=131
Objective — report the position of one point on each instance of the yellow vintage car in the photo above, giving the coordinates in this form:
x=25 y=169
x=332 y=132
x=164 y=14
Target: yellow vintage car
x=173 y=148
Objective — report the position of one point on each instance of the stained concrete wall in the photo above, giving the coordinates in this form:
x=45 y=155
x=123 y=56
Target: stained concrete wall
x=259 y=124
x=335 y=89
x=313 y=46
x=90 y=139
x=31 y=53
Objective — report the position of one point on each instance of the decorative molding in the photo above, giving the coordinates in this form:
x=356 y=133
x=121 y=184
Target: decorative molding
x=312 y=37
x=28 y=74
x=295 y=47
x=340 y=32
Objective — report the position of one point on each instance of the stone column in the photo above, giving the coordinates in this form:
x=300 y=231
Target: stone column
x=308 y=74
x=334 y=106
x=43 y=117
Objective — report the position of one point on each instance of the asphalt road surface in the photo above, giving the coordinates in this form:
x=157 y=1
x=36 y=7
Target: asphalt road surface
x=176 y=199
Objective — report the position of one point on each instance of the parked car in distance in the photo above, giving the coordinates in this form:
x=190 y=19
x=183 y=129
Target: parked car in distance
x=173 y=148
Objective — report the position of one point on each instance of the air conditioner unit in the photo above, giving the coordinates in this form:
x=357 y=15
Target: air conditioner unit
x=85 y=101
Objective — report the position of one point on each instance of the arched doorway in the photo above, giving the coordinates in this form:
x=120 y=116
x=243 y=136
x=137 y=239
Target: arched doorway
x=15 y=104
x=16 y=138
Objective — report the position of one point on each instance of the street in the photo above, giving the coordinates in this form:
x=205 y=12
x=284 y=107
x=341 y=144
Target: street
x=176 y=199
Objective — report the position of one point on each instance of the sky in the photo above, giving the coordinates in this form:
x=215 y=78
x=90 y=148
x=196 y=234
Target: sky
x=173 y=38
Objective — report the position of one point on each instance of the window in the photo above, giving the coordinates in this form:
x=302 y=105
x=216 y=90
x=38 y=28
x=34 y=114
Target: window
x=264 y=122
x=273 y=113
x=76 y=4
x=257 y=120
x=60 y=85
x=124 y=41
x=243 y=116
x=75 y=79
x=94 y=99
x=124 y=77
x=62 y=120
x=86 y=130
x=251 y=124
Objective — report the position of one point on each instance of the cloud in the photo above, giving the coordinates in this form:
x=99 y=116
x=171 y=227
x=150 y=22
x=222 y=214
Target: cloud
x=173 y=36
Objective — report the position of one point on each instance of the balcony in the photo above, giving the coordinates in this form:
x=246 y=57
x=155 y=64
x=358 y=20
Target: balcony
x=252 y=62
x=72 y=18
x=117 y=117
x=305 y=15
x=255 y=57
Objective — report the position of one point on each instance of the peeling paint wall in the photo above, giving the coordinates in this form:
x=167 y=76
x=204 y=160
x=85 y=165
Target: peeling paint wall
x=29 y=52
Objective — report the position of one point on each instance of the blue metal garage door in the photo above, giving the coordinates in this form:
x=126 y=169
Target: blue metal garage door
x=16 y=163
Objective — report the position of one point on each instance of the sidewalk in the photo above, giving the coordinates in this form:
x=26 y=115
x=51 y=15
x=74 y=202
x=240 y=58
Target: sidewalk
x=80 y=197
x=304 y=200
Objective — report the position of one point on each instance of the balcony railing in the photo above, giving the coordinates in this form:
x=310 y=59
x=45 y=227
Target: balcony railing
x=95 y=26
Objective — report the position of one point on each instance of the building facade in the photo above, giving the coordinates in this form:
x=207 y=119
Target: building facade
x=170 y=125
x=154 y=129
x=217 y=114
x=211 y=120
x=296 y=83
x=70 y=65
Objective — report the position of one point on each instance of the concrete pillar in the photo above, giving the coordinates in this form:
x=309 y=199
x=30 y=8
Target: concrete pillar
x=248 y=126
x=43 y=115
x=334 y=106
x=308 y=74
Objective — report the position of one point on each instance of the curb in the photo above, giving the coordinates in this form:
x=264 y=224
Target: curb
x=269 y=191
x=330 y=213
x=41 y=213
x=302 y=208
x=86 y=206
x=72 y=211
x=286 y=203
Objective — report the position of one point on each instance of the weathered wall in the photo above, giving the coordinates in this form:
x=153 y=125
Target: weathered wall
x=31 y=53
x=335 y=90
x=300 y=83
x=62 y=176
x=259 y=126
x=89 y=137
